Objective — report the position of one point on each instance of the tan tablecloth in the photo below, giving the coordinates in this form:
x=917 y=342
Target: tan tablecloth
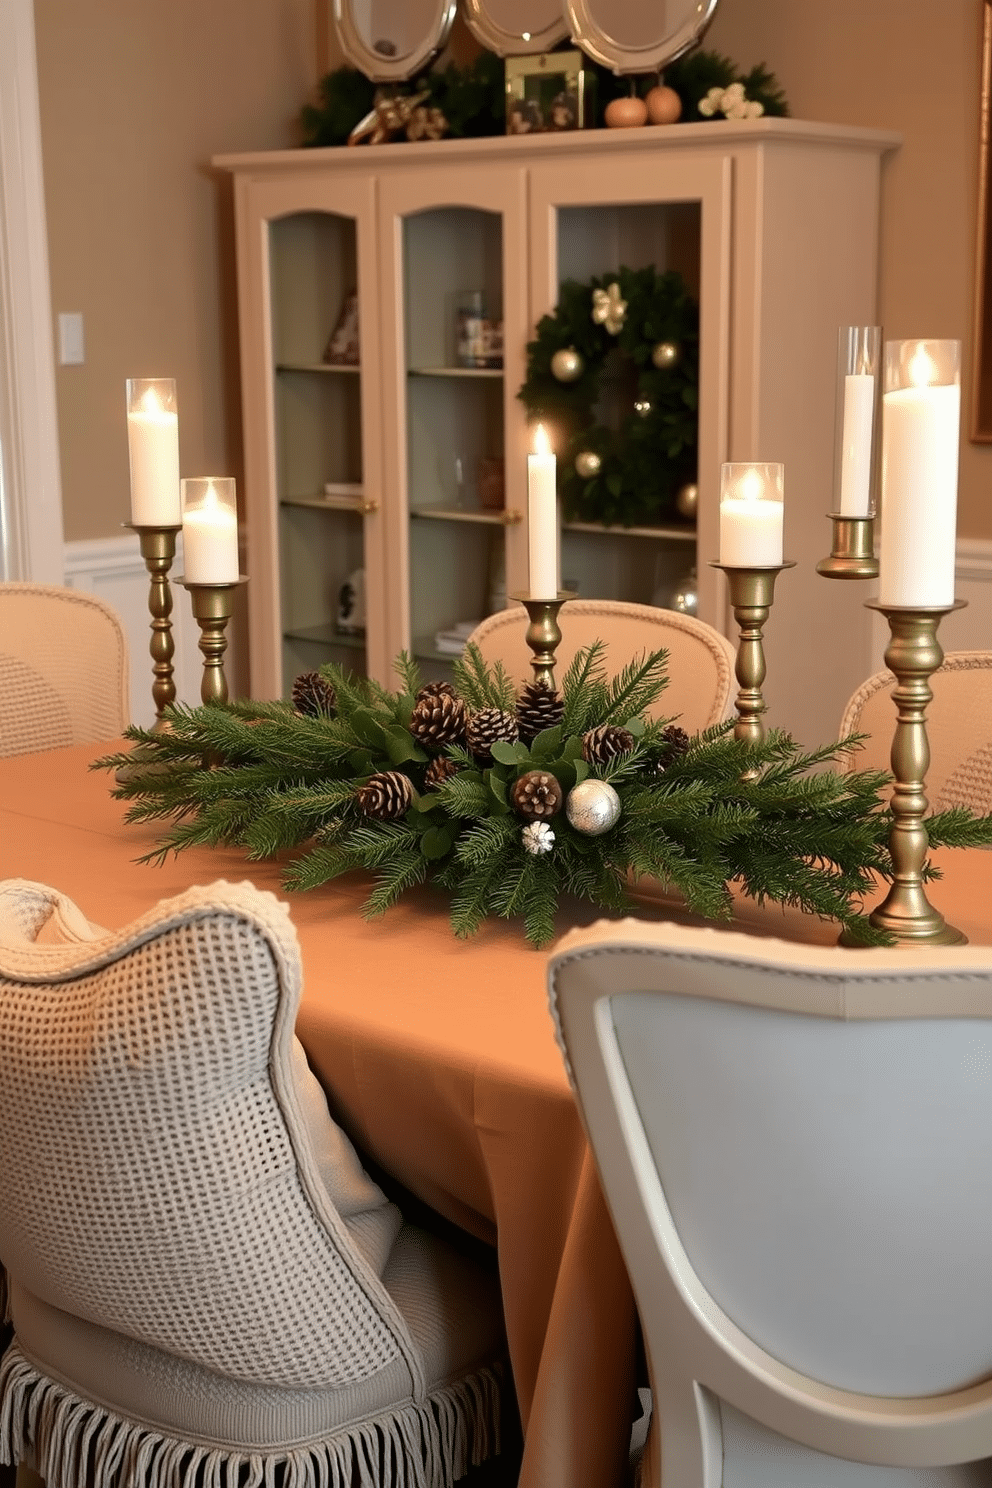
x=440 y=1059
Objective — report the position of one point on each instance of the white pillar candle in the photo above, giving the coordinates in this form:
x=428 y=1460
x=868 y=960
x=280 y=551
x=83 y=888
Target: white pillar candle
x=855 y=470
x=153 y=451
x=210 y=532
x=751 y=516
x=920 y=432
x=542 y=519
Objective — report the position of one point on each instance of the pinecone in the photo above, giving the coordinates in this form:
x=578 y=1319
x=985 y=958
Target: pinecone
x=434 y=689
x=438 y=718
x=313 y=697
x=676 y=743
x=537 y=795
x=538 y=707
x=386 y=797
x=604 y=743
x=439 y=770
x=488 y=727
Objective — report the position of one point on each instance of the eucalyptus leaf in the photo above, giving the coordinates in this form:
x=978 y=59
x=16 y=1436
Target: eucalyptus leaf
x=547 y=744
x=369 y=729
x=509 y=754
x=436 y=842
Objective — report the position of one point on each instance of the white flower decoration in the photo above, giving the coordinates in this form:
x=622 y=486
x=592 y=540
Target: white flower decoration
x=537 y=837
x=608 y=309
x=732 y=102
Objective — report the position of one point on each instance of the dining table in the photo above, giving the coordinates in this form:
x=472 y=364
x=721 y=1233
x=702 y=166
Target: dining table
x=438 y=1056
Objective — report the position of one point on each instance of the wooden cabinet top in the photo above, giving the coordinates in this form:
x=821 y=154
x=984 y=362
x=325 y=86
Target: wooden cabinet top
x=723 y=136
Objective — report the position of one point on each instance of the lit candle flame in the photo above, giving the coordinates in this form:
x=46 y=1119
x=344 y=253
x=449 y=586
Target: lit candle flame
x=542 y=444
x=752 y=486
x=922 y=368
x=150 y=401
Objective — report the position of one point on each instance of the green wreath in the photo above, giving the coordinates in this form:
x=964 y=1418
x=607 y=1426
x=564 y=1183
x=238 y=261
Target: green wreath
x=644 y=361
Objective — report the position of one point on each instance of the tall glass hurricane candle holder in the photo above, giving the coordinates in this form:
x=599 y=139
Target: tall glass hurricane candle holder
x=751 y=527
x=857 y=443
x=210 y=556
x=920 y=433
x=153 y=453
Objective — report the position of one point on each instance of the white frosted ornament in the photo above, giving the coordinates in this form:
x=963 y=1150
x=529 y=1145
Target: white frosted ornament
x=665 y=354
x=537 y=838
x=592 y=807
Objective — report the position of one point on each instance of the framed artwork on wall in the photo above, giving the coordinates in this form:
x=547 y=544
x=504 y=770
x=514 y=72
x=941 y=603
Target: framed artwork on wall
x=981 y=382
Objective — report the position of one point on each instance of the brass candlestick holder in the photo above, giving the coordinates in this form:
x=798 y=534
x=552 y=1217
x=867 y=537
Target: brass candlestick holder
x=913 y=655
x=543 y=635
x=751 y=593
x=852 y=552
x=158 y=548
x=213 y=606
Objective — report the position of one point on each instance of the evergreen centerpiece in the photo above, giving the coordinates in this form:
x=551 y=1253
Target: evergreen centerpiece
x=509 y=802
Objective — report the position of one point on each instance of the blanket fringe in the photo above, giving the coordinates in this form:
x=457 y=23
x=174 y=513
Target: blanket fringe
x=71 y=1441
x=5 y=1317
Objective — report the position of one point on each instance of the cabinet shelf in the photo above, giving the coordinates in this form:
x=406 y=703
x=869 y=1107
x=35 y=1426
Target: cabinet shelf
x=322 y=368
x=323 y=503
x=470 y=373
x=456 y=514
x=668 y=534
x=327 y=635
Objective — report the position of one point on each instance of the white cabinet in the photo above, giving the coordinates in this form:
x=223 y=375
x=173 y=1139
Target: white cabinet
x=773 y=223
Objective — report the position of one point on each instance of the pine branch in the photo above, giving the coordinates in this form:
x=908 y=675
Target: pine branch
x=480 y=687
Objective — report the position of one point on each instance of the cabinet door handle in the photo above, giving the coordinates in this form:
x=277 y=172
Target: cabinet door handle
x=511 y=516
x=368 y=507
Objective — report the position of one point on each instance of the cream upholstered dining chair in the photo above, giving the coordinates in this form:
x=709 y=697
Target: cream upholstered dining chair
x=959 y=728
x=795 y=1146
x=700 y=659
x=63 y=669
x=205 y=1286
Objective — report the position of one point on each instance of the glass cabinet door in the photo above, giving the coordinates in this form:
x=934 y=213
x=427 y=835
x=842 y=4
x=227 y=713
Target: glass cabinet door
x=317 y=400
x=460 y=452
x=669 y=218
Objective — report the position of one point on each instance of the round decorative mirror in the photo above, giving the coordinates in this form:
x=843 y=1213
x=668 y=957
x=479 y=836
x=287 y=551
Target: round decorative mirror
x=390 y=40
x=629 y=36
x=515 y=28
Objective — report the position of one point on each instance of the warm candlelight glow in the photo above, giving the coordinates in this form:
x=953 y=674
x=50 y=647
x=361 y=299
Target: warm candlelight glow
x=153 y=452
x=210 y=531
x=920 y=435
x=542 y=444
x=751 y=515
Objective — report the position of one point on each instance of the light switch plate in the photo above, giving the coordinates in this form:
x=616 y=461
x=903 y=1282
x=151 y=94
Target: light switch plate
x=71 y=352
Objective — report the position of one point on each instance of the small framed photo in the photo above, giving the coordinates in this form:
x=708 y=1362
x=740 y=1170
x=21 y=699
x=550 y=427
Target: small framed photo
x=343 y=347
x=547 y=93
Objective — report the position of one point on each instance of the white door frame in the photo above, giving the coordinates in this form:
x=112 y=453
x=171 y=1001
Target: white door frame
x=31 y=533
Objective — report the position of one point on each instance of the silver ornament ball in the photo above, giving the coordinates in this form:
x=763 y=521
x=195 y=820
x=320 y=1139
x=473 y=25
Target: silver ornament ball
x=587 y=464
x=567 y=364
x=666 y=354
x=687 y=500
x=593 y=807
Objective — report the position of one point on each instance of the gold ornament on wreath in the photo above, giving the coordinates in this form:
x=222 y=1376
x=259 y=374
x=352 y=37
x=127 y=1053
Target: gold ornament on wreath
x=640 y=329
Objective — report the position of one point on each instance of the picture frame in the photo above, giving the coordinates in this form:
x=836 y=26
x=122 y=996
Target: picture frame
x=548 y=93
x=981 y=381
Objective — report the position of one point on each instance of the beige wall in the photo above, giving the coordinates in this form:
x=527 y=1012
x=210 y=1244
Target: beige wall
x=914 y=66
x=135 y=98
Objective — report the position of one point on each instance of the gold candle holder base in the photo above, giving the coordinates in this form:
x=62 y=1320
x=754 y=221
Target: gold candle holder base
x=852 y=552
x=158 y=548
x=913 y=655
x=213 y=606
x=543 y=636
x=751 y=593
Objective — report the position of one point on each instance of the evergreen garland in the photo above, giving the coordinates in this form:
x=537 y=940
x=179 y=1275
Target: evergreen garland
x=691 y=817
x=652 y=453
x=473 y=98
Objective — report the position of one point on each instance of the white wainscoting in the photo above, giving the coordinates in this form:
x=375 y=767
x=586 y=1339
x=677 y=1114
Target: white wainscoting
x=113 y=569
